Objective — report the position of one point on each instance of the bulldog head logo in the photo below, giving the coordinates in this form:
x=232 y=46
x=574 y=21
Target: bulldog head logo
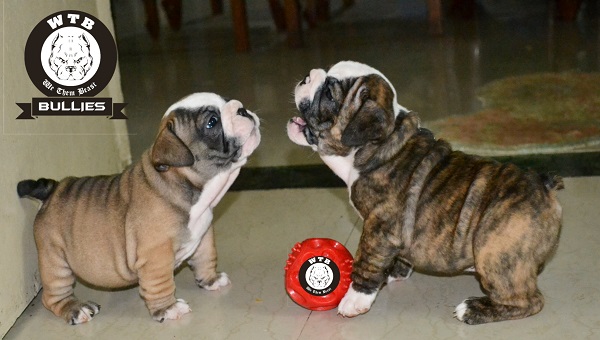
x=319 y=276
x=70 y=58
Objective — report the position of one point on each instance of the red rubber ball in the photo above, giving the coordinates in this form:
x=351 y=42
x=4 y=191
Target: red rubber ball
x=317 y=274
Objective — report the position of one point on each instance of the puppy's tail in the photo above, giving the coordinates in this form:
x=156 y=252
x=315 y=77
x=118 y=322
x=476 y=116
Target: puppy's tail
x=552 y=181
x=40 y=189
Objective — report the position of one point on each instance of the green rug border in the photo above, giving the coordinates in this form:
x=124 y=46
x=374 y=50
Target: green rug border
x=578 y=164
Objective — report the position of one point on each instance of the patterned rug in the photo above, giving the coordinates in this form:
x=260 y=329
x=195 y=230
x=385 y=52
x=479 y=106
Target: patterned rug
x=531 y=114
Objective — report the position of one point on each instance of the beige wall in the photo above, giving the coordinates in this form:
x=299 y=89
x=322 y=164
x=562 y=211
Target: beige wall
x=51 y=147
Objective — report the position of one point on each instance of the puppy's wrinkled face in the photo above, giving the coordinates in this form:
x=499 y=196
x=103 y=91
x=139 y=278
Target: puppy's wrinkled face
x=346 y=107
x=205 y=131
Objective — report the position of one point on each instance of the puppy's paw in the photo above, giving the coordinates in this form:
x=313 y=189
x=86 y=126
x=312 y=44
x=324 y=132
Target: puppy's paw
x=475 y=311
x=355 y=303
x=82 y=312
x=472 y=311
x=219 y=281
x=461 y=310
x=173 y=312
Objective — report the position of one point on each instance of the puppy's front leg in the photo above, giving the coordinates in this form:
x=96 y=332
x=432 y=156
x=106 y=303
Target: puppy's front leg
x=157 y=283
x=376 y=254
x=204 y=264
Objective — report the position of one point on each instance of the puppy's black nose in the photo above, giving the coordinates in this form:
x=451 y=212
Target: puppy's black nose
x=242 y=112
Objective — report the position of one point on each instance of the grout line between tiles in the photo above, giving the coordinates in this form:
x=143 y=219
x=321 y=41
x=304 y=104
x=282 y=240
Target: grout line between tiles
x=304 y=326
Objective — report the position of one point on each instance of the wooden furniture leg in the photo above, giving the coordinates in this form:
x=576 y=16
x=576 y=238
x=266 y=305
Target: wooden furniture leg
x=240 y=25
x=322 y=10
x=566 y=10
x=294 y=25
x=278 y=14
x=434 y=7
x=173 y=11
x=152 y=23
x=216 y=6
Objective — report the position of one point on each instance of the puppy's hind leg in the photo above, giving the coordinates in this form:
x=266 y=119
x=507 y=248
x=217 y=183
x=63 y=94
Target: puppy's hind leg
x=478 y=310
x=57 y=295
x=400 y=271
x=508 y=301
x=508 y=259
x=204 y=264
x=510 y=283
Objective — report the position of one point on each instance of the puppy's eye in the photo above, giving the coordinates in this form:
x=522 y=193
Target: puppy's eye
x=212 y=122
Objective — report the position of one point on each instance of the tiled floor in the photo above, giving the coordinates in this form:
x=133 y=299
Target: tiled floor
x=256 y=229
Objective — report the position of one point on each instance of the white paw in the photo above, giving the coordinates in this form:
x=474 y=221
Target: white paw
x=459 y=311
x=355 y=303
x=86 y=313
x=221 y=281
x=175 y=312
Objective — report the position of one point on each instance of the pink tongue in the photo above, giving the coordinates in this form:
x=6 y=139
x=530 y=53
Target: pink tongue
x=299 y=121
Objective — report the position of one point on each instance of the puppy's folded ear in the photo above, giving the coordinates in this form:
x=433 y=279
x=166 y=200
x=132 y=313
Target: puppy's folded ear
x=85 y=39
x=169 y=150
x=366 y=125
x=370 y=112
x=58 y=36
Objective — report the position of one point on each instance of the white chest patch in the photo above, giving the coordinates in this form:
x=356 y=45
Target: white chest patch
x=201 y=214
x=344 y=168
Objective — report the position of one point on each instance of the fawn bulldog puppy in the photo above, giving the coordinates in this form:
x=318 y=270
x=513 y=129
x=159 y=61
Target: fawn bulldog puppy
x=425 y=206
x=137 y=227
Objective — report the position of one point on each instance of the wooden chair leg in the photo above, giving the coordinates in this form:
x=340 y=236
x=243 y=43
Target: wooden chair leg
x=173 y=10
x=323 y=10
x=240 y=25
x=464 y=9
x=566 y=10
x=278 y=14
x=293 y=23
x=316 y=11
x=434 y=8
x=152 y=23
x=310 y=12
x=216 y=6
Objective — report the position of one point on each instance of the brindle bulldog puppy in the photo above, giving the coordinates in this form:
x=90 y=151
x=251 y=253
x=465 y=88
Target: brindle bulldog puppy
x=424 y=205
x=138 y=226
